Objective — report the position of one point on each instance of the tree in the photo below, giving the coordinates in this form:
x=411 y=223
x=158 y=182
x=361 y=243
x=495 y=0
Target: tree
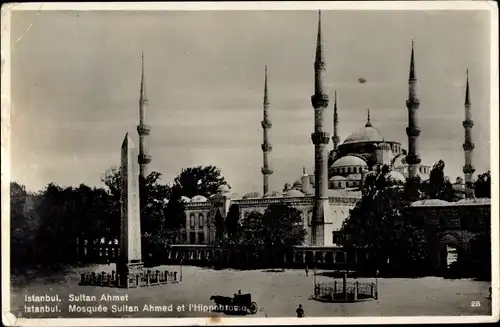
x=482 y=186
x=232 y=224
x=282 y=226
x=377 y=222
x=200 y=180
x=439 y=187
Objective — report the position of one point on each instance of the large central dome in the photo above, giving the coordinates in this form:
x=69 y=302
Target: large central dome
x=367 y=134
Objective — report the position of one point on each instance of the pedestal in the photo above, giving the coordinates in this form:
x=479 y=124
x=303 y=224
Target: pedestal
x=129 y=274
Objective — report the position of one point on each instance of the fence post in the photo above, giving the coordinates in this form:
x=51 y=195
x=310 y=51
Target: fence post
x=335 y=287
x=372 y=286
x=356 y=288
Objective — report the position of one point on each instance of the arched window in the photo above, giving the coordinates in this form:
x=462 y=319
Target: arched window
x=200 y=220
x=309 y=218
x=192 y=221
x=348 y=169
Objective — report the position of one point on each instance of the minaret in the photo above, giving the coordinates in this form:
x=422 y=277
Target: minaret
x=468 y=145
x=320 y=139
x=413 y=131
x=266 y=146
x=142 y=129
x=335 y=137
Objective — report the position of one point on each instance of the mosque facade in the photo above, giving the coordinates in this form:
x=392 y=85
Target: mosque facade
x=324 y=198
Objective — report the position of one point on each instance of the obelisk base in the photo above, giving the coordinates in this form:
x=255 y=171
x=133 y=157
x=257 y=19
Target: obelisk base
x=130 y=274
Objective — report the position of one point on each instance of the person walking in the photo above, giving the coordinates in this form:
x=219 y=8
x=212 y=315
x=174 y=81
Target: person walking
x=300 y=311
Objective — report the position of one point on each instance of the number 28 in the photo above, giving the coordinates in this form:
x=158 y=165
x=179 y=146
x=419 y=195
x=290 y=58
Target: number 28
x=475 y=304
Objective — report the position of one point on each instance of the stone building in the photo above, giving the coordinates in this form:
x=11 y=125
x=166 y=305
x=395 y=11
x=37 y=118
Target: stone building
x=325 y=197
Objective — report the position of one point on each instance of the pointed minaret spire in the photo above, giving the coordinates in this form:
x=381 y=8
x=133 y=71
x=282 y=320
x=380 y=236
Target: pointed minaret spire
x=320 y=139
x=319 y=41
x=266 y=146
x=413 y=130
x=468 y=146
x=368 y=121
x=142 y=129
x=412 y=62
x=335 y=137
x=467 y=95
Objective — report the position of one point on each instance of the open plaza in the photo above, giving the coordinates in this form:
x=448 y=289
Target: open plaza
x=277 y=294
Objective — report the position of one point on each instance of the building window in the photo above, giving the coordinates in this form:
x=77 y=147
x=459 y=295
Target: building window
x=309 y=217
x=200 y=222
x=340 y=185
x=192 y=221
x=201 y=238
x=192 y=238
x=348 y=169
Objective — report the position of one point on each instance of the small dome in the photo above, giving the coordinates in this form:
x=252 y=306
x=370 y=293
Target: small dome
x=223 y=189
x=298 y=183
x=273 y=194
x=199 y=198
x=252 y=195
x=474 y=201
x=185 y=199
x=349 y=161
x=294 y=194
x=430 y=203
x=395 y=176
x=366 y=134
x=338 y=178
x=399 y=161
x=354 y=177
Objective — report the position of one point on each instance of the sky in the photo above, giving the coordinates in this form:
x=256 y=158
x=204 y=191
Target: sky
x=76 y=77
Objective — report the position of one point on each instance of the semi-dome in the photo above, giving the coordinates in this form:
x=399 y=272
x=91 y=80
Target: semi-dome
x=366 y=134
x=223 y=189
x=399 y=161
x=349 y=161
x=273 y=194
x=395 y=176
x=338 y=178
x=199 y=198
x=252 y=195
x=294 y=194
x=185 y=199
x=354 y=177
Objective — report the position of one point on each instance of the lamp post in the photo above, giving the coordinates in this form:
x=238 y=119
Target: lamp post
x=376 y=284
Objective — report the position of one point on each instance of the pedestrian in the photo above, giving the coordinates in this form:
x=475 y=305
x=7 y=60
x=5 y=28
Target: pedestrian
x=300 y=311
x=307 y=271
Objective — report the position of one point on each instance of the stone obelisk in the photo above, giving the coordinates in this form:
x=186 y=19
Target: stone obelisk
x=130 y=264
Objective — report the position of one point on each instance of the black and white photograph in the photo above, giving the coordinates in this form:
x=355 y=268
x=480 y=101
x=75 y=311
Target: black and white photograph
x=256 y=163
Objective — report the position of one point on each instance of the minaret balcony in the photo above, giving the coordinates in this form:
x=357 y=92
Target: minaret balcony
x=319 y=65
x=412 y=103
x=144 y=159
x=468 y=123
x=320 y=138
x=468 y=146
x=266 y=124
x=468 y=169
x=413 y=131
x=266 y=171
x=319 y=101
x=336 y=139
x=266 y=147
x=413 y=159
x=143 y=129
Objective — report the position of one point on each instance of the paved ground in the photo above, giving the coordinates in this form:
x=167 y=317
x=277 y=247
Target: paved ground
x=277 y=295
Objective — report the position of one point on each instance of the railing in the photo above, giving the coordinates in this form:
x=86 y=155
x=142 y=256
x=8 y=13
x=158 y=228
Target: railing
x=345 y=291
x=141 y=279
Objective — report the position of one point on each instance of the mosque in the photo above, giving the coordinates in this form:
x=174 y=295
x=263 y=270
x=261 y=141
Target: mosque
x=325 y=197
